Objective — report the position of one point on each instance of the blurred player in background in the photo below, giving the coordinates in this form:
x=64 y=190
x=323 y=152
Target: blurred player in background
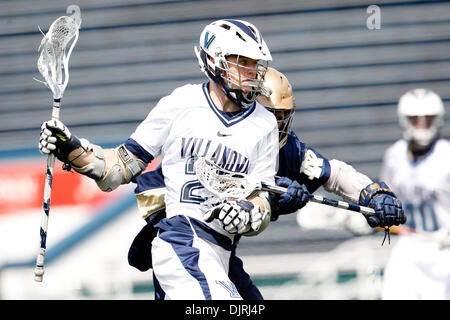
x=302 y=170
x=219 y=119
x=418 y=170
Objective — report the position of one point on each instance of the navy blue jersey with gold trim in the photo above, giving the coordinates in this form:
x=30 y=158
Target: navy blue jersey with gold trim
x=290 y=161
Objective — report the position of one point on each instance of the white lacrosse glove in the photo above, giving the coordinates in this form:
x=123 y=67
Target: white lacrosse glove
x=47 y=140
x=239 y=216
x=312 y=165
x=56 y=138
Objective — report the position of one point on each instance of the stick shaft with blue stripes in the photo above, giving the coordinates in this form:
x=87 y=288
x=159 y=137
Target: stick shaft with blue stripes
x=39 y=269
x=326 y=201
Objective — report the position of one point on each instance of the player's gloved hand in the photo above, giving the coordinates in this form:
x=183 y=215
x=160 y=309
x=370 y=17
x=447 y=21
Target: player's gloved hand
x=238 y=216
x=296 y=197
x=388 y=209
x=56 y=138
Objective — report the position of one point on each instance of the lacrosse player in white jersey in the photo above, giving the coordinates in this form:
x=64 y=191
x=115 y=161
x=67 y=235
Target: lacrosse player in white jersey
x=302 y=170
x=417 y=168
x=220 y=120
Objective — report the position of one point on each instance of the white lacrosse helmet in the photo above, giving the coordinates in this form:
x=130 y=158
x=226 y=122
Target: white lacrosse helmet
x=421 y=105
x=239 y=38
x=277 y=97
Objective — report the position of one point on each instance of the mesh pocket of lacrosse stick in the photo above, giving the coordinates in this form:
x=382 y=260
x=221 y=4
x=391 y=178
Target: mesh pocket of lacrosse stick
x=53 y=58
x=223 y=183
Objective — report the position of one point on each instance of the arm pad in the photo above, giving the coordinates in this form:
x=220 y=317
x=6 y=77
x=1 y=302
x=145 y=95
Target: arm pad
x=125 y=167
x=345 y=181
x=95 y=169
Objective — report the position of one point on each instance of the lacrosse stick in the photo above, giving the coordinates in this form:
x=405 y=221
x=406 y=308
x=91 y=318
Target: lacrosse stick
x=53 y=65
x=225 y=184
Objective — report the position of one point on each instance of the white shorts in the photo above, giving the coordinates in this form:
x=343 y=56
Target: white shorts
x=192 y=263
x=417 y=269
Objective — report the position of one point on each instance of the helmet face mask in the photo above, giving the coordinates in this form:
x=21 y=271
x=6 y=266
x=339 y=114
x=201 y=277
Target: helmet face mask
x=421 y=130
x=420 y=113
x=284 y=120
x=278 y=98
x=243 y=80
x=224 y=45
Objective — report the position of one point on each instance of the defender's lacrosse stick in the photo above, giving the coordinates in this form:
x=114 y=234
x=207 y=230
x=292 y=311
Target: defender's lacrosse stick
x=53 y=64
x=225 y=184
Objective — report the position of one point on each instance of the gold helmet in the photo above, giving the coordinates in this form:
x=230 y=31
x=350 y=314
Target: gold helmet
x=277 y=97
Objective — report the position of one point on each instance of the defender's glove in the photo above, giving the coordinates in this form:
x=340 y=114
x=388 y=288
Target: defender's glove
x=296 y=197
x=388 y=209
x=56 y=138
x=239 y=216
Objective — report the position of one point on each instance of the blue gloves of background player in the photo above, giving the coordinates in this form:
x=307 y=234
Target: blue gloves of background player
x=294 y=199
x=388 y=209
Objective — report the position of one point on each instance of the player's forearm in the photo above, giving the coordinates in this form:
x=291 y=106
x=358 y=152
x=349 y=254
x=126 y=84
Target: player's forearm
x=108 y=167
x=345 y=181
x=262 y=201
x=81 y=157
x=257 y=201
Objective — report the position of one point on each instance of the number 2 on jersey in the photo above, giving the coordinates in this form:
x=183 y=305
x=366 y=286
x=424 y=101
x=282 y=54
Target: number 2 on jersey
x=187 y=191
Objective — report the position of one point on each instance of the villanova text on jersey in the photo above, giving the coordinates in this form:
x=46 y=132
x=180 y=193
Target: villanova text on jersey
x=220 y=154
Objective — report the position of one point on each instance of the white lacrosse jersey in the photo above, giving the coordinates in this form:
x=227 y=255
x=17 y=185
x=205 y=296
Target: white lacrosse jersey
x=422 y=186
x=418 y=267
x=186 y=124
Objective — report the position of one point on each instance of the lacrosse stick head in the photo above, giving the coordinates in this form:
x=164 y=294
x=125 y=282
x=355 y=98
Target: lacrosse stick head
x=53 y=62
x=221 y=183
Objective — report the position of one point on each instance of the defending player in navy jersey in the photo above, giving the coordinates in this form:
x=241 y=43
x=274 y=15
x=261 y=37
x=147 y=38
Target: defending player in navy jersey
x=301 y=168
x=220 y=120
